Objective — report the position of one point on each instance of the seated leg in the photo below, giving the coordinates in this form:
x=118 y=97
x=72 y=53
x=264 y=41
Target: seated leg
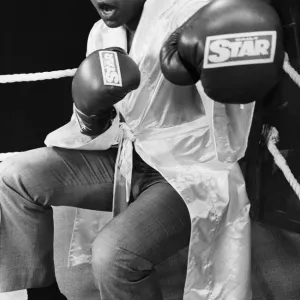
x=30 y=183
x=154 y=227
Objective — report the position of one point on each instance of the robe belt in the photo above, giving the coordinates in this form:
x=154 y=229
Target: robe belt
x=123 y=167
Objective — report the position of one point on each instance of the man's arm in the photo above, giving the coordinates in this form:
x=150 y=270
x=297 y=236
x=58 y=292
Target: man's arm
x=89 y=101
x=233 y=52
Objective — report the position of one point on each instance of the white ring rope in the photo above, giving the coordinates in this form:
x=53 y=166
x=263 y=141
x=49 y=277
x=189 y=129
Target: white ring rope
x=37 y=76
x=290 y=70
x=272 y=137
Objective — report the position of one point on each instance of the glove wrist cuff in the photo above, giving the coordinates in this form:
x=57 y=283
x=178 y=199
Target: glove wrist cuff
x=94 y=124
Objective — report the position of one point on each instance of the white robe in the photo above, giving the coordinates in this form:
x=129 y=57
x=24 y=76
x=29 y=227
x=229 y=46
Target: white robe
x=193 y=142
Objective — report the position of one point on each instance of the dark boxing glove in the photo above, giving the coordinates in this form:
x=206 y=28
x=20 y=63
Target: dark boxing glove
x=235 y=47
x=104 y=78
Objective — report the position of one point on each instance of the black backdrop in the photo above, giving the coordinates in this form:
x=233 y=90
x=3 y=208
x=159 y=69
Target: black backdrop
x=39 y=36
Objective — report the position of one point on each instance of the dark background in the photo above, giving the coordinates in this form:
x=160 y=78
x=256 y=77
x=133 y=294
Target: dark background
x=39 y=36
x=272 y=198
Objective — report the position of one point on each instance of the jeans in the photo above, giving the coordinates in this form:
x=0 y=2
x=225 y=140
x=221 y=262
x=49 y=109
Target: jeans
x=155 y=226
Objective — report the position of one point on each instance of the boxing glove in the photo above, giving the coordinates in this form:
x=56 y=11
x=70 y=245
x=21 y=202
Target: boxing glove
x=235 y=47
x=104 y=78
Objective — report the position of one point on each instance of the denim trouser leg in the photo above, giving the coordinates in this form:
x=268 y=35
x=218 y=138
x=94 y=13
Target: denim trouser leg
x=29 y=184
x=154 y=227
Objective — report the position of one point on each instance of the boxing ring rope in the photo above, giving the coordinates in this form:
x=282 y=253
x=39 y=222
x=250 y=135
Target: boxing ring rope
x=37 y=76
x=32 y=77
x=271 y=139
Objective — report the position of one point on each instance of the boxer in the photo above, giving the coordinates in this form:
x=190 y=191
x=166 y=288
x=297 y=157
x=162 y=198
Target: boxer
x=192 y=71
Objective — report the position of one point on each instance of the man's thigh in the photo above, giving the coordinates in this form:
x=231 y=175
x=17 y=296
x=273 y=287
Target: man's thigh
x=62 y=177
x=155 y=226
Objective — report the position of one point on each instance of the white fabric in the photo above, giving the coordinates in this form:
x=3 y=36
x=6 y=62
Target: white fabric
x=69 y=136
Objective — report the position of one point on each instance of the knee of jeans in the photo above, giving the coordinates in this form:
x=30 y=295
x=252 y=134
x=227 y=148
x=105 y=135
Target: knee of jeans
x=110 y=258
x=9 y=169
x=14 y=174
x=104 y=256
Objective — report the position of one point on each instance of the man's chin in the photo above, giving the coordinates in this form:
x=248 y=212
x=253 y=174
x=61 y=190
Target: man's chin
x=112 y=24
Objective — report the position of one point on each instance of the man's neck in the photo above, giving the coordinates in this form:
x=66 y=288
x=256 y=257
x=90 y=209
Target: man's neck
x=130 y=35
x=131 y=28
x=133 y=24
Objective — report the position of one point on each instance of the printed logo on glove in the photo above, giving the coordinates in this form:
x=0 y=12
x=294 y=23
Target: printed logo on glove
x=239 y=49
x=110 y=68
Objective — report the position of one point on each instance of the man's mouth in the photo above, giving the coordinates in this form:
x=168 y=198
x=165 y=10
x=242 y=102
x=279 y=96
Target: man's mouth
x=106 y=10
